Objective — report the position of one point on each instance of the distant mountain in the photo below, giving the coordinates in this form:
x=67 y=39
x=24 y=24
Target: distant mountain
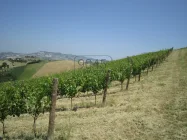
x=44 y=55
x=6 y=55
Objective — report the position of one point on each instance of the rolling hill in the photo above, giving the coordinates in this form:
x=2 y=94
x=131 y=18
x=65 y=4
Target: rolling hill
x=55 y=67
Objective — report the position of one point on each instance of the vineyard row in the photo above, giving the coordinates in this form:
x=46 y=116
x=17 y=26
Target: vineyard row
x=34 y=96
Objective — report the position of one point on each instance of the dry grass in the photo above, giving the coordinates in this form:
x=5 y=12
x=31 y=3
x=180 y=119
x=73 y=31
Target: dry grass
x=55 y=67
x=153 y=109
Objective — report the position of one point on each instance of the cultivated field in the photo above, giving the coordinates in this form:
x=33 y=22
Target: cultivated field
x=22 y=71
x=153 y=109
x=55 y=67
x=29 y=70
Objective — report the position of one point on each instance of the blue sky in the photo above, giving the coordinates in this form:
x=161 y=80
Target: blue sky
x=117 y=28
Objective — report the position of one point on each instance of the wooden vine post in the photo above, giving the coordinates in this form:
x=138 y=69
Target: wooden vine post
x=129 y=76
x=107 y=80
x=152 y=67
x=148 y=66
x=139 y=75
x=51 y=127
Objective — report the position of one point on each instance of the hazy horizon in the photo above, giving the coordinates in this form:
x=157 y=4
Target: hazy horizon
x=116 y=28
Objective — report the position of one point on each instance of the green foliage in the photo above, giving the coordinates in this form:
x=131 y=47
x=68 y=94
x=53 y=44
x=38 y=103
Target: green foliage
x=34 y=96
x=38 y=96
x=91 y=83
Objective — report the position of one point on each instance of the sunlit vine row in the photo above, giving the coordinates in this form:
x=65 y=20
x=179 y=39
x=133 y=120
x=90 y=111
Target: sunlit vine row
x=34 y=96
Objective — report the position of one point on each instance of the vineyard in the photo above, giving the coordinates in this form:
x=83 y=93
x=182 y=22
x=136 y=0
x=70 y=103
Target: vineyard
x=34 y=96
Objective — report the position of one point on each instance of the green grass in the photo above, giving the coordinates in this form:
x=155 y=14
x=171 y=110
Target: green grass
x=13 y=72
x=26 y=72
x=21 y=71
x=17 y=71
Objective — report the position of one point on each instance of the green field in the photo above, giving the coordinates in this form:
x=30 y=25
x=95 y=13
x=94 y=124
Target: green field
x=21 y=71
x=27 y=71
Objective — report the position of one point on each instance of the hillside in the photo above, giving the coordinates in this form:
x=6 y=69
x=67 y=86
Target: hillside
x=154 y=108
x=52 y=63
x=13 y=72
x=21 y=71
x=27 y=71
x=55 y=67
